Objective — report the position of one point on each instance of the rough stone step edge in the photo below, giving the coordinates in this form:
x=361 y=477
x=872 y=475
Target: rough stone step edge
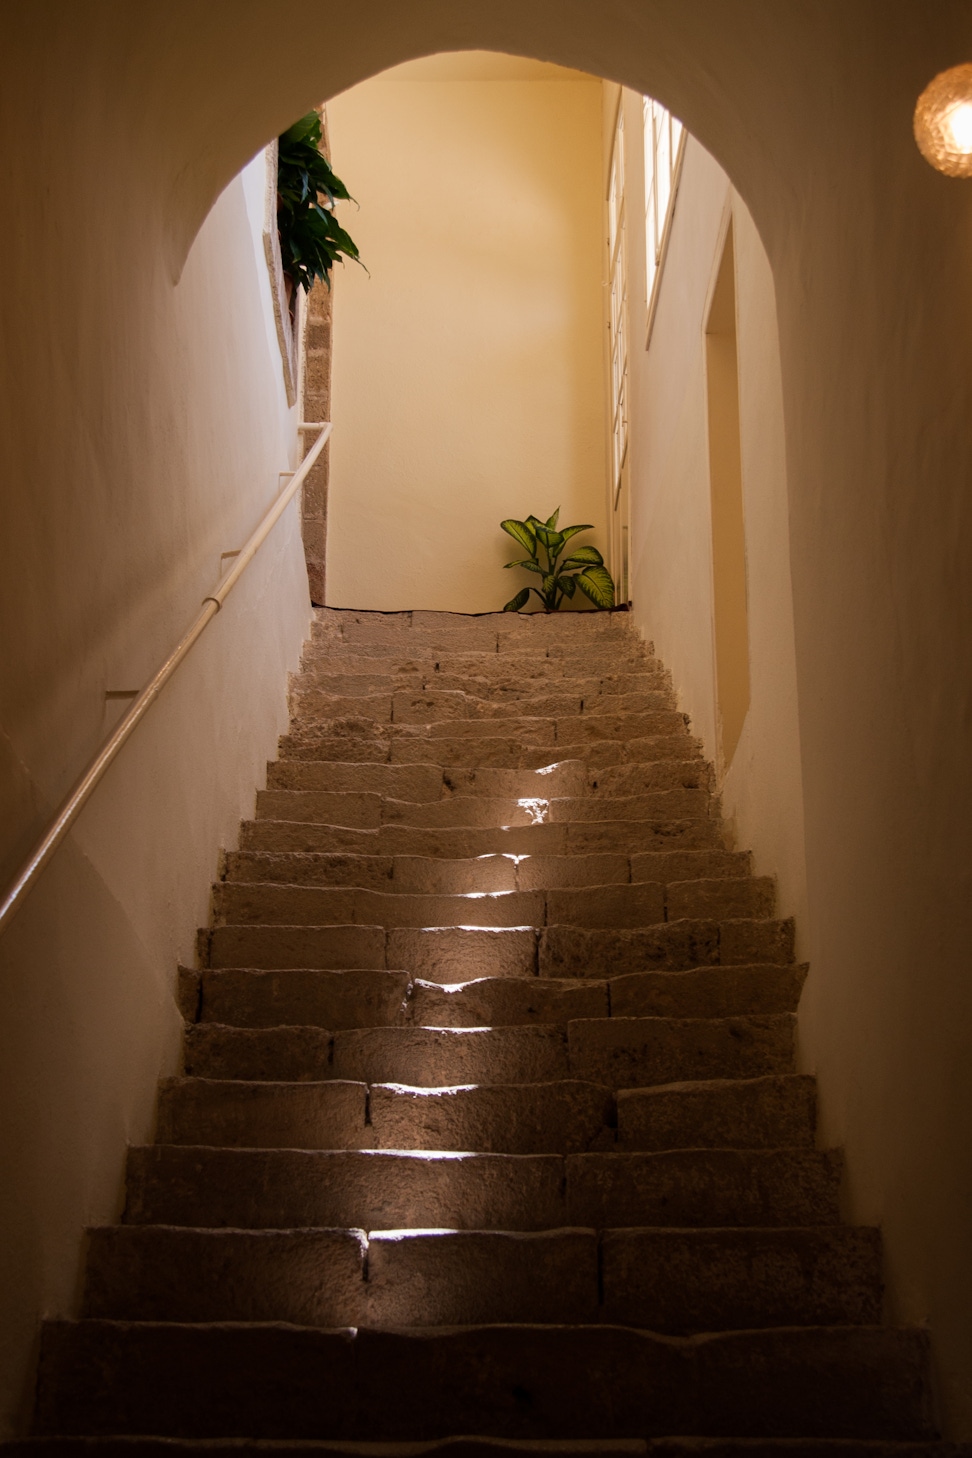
x=482 y=1446
x=477 y=1446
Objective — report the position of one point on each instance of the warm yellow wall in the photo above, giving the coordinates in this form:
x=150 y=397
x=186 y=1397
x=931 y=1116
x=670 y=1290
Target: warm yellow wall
x=467 y=375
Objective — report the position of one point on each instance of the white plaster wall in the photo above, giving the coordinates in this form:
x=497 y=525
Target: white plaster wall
x=467 y=375
x=671 y=540
x=160 y=450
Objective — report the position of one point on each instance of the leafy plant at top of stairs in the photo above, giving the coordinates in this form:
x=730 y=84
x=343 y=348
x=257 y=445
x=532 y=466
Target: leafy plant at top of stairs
x=311 y=238
x=583 y=567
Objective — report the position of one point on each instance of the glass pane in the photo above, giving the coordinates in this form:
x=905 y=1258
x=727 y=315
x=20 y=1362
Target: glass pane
x=651 y=239
x=663 y=166
x=677 y=130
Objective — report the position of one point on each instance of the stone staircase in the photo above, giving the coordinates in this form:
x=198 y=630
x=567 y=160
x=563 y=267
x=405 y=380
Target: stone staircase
x=489 y=1122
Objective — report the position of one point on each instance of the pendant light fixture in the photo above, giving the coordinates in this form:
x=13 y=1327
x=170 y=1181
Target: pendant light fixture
x=943 y=122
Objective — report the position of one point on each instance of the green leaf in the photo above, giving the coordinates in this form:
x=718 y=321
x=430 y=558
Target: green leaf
x=311 y=239
x=530 y=563
x=568 y=532
x=521 y=600
x=597 y=584
x=584 y=557
x=552 y=520
x=521 y=532
x=567 y=585
x=553 y=541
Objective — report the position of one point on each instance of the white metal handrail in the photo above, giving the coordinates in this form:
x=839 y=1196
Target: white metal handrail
x=73 y=804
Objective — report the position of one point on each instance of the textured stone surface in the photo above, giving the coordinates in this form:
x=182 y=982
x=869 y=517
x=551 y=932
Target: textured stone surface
x=266 y=999
x=708 y=992
x=263 y=1115
x=452 y=1278
x=506 y=1001
x=163 y=1273
x=519 y=1381
x=757 y=1113
x=633 y=1052
x=718 y=1280
x=287 y=1188
x=702 y=1187
x=489 y=1111
x=565 y=1117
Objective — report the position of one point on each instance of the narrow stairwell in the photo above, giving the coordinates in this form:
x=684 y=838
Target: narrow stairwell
x=490 y=1121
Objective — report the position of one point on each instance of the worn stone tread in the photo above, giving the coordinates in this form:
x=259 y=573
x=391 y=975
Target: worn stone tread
x=518 y=1381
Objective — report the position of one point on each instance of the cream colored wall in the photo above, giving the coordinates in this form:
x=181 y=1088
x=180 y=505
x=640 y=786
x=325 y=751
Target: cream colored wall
x=467 y=382
x=160 y=450
x=671 y=514
x=151 y=112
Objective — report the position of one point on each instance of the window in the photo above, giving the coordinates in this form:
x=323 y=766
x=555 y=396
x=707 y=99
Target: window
x=664 y=143
x=729 y=588
x=617 y=265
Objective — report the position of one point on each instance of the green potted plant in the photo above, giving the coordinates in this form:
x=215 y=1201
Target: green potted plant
x=582 y=568
x=311 y=238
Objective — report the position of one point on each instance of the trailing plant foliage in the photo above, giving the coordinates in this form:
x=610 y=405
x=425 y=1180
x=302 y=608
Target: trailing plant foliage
x=311 y=238
x=582 y=568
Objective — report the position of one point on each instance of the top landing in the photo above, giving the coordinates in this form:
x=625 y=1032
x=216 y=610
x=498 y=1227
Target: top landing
x=350 y=628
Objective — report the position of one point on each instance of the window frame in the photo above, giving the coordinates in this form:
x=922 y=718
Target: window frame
x=657 y=239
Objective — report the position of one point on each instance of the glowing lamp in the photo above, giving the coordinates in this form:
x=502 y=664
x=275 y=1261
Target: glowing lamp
x=943 y=122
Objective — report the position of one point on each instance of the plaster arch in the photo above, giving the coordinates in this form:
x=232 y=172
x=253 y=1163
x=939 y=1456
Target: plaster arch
x=151 y=111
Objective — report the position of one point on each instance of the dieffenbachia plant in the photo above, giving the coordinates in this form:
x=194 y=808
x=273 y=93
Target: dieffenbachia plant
x=583 y=567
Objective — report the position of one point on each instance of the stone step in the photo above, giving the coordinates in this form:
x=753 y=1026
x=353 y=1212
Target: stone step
x=433 y=782
x=478 y=674
x=236 y=903
x=244 y=997
x=642 y=904
x=497 y=872
x=286 y=1381
x=423 y=1057
x=623 y=905
x=677 y=946
x=249 y=998
x=366 y=745
x=289 y=1188
x=616 y=1052
x=664 y=1280
x=366 y=811
x=554 y=730
x=627 y=837
x=121 y=1446
x=772 y=1112
x=562 y=1117
x=340 y=999
x=335 y=777
x=523 y=664
x=497 y=683
x=463 y=953
x=708 y=992
x=171 y=1184
x=310 y=703
x=485 y=631
x=629 y=1053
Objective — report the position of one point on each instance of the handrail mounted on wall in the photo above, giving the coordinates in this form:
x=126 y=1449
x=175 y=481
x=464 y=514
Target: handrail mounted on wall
x=73 y=804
